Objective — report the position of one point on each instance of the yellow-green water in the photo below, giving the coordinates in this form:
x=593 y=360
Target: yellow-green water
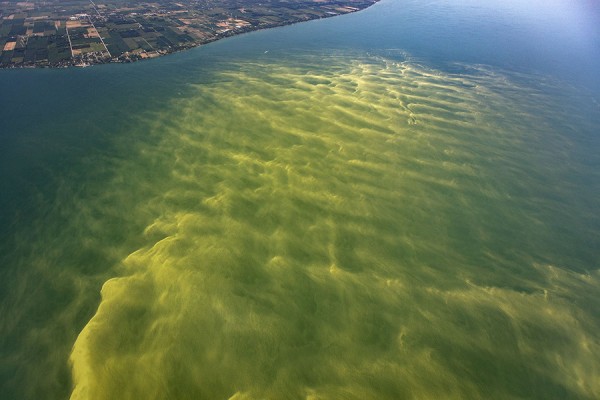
x=376 y=206
x=340 y=226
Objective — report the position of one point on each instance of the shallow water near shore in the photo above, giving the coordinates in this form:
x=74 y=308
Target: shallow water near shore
x=303 y=213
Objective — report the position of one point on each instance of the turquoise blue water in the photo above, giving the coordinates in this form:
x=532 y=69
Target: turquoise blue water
x=401 y=203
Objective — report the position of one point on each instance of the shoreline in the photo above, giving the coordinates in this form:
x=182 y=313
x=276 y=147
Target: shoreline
x=101 y=58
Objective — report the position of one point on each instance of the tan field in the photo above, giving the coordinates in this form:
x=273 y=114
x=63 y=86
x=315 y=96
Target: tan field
x=73 y=24
x=10 y=46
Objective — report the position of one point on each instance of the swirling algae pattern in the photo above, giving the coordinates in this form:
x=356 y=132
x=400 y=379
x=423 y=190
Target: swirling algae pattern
x=330 y=226
x=345 y=232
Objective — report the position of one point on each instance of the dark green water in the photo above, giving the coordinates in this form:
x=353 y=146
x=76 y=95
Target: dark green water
x=396 y=204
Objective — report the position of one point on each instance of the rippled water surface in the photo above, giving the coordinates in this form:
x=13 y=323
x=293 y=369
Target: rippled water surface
x=305 y=214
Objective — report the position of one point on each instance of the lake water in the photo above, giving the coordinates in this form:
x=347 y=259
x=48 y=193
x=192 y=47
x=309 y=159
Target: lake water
x=401 y=203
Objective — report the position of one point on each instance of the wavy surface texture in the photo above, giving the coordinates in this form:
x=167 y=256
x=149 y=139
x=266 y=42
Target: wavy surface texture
x=353 y=228
x=315 y=212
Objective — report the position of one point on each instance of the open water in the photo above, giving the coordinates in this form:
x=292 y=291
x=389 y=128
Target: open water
x=402 y=203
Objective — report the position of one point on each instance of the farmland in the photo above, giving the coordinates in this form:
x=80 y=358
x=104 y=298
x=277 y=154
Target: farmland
x=83 y=32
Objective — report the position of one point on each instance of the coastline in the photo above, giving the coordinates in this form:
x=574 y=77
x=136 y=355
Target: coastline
x=231 y=26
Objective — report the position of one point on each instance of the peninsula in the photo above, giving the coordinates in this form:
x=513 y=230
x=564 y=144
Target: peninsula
x=62 y=33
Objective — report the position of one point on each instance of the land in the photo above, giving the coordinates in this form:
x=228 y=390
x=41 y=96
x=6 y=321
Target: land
x=62 y=33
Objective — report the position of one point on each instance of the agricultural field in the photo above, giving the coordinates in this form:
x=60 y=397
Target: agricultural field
x=58 y=33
